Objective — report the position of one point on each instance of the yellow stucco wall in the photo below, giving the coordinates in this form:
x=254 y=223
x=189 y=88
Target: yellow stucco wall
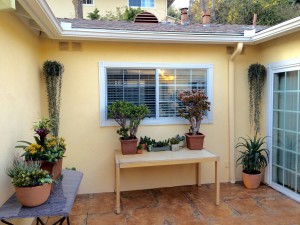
x=20 y=91
x=65 y=8
x=90 y=147
x=280 y=49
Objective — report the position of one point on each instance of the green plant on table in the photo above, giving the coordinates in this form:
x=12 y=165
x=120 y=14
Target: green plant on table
x=174 y=141
x=128 y=116
x=27 y=174
x=254 y=155
x=193 y=104
x=46 y=147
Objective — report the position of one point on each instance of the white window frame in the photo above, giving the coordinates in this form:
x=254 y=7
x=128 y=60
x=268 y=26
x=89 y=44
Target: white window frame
x=142 y=6
x=152 y=121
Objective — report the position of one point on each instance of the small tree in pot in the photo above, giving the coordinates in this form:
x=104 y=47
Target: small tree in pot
x=254 y=157
x=195 y=103
x=129 y=117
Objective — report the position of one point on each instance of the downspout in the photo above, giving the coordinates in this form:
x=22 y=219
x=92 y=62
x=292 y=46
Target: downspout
x=231 y=112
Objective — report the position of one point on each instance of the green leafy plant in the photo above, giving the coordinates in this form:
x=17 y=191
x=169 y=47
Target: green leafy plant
x=131 y=13
x=256 y=81
x=53 y=71
x=94 y=15
x=144 y=140
x=180 y=138
x=174 y=141
x=50 y=149
x=194 y=105
x=254 y=156
x=27 y=174
x=128 y=116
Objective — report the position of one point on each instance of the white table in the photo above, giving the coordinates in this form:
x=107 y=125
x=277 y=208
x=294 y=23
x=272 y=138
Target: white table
x=163 y=158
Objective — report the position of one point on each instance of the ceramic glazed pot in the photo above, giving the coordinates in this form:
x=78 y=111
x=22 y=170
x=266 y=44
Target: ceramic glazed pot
x=33 y=196
x=252 y=181
x=194 y=142
x=128 y=146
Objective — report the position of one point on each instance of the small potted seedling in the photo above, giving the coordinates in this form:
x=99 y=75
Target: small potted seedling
x=181 y=140
x=139 y=149
x=174 y=144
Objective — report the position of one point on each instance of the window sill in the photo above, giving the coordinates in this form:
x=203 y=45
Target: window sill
x=150 y=121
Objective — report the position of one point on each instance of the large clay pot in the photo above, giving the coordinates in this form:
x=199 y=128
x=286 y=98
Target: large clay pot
x=252 y=181
x=33 y=196
x=194 y=142
x=128 y=146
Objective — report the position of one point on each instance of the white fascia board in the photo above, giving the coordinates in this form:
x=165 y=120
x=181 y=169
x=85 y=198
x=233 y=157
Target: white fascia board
x=144 y=36
x=278 y=30
x=41 y=13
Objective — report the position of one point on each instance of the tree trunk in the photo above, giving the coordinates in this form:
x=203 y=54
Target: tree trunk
x=78 y=8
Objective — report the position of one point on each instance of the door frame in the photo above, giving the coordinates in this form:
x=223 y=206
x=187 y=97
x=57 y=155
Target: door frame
x=272 y=68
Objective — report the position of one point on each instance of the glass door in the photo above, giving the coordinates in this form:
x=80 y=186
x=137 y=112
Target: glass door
x=285 y=150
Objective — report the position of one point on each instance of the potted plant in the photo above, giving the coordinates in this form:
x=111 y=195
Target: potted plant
x=156 y=146
x=174 y=144
x=256 y=81
x=143 y=142
x=193 y=104
x=254 y=157
x=181 y=140
x=53 y=71
x=32 y=184
x=129 y=117
x=139 y=149
x=47 y=149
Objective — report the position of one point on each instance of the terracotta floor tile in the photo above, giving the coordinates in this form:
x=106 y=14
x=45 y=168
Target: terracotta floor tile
x=247 y=206
x=80 y=206
x=139 y=202
x=102 y=203
x=281 y=205
x=181 y=213
x=136 y=193
x=146 y=216
x=172 y=198
x=106 y=219
x=187 y=205
x=209 y=210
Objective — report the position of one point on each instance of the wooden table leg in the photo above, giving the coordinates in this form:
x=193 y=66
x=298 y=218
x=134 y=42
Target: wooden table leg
x=198 y=174
x=217 y=183
x=117 y=188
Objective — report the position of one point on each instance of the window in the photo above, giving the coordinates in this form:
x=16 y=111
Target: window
x=141 y=3
x=88 y=2
x=156 y=85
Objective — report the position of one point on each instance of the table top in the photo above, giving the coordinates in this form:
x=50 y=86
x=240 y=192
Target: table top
x=182 y=156
x=59 y=203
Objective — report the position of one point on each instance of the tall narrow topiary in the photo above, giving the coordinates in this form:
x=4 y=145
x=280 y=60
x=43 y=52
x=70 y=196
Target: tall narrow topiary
x=53 y=71
x=256 y=81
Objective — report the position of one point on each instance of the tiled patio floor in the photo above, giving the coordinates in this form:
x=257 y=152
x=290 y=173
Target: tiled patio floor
x=187 y=205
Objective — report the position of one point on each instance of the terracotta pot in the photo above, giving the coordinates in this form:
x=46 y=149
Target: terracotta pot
x=33 y=196
x=206 y=19
x=144 y=147
x=128 y=146
x=140 y=151
x=53 y=168
x=252 y=181
x=194 y=142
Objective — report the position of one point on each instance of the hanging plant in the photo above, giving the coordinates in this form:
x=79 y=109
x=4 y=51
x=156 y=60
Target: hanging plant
x=53 y=71
x=256 y=81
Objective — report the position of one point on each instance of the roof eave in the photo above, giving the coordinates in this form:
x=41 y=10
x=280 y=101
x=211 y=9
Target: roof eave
x=44 y=17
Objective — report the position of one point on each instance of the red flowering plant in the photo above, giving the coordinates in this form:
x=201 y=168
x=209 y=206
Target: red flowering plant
x=193 y=105
x=50 y=149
